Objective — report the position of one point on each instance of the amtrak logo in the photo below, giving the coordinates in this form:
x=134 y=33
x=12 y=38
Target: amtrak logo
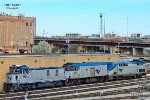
x=98 y=71
x=25 y=76
x=121 y=70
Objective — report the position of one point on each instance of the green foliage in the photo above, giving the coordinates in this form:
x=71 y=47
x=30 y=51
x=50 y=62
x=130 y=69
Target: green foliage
x=82 y=50
x=72 y=49
x=136 y=40
x=42 y=47
x=54 y=50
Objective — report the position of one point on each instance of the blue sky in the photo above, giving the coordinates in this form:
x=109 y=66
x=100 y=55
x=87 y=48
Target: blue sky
x=58 y=17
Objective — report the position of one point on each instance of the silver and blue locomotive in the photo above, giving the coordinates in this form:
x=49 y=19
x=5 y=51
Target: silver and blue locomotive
x=21 y=77
x=86 y=72
x=119 y=70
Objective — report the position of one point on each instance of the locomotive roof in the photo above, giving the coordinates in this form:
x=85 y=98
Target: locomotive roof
x=43 y=68
x=128 y=62
x=24 y=67
x=110 y=65
x=86 y=64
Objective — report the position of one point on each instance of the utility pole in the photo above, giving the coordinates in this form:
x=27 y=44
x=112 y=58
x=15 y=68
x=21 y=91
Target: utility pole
x=43 y=34
x=104 y=32
x=104 y=25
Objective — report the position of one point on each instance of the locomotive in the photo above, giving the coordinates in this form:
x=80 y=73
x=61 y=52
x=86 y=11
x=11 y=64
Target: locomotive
x=21 y=77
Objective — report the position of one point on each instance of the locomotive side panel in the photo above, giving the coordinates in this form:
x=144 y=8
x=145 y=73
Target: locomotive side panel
x=57 y=74
x=35 y=75
x=127 y=69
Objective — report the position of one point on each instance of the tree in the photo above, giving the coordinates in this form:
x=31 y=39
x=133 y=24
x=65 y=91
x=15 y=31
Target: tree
x=42 y=47
x=54 y=50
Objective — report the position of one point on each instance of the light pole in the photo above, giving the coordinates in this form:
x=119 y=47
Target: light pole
x=101 y=24
x=127 y=27
x=104 y=26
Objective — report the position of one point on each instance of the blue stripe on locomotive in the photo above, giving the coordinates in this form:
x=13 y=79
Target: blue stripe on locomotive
x=13 y=73
x=112 y=65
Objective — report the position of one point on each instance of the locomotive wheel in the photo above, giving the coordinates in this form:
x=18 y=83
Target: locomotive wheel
x=59 y=84
x=79 y=82
x=29 y=87
x=71 y=83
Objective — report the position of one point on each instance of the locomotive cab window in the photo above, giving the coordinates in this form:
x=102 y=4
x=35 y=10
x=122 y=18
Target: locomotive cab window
x=20 y=71
x=24 y=72
x=69 y=68
x=27 y=71
x=76 y=69
x=16 y=70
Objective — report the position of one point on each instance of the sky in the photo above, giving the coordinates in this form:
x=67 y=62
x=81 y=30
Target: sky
x=58 y=17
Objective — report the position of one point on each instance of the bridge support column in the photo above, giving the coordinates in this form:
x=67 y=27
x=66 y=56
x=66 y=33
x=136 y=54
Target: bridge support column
x=113 y=49
x=133 y=51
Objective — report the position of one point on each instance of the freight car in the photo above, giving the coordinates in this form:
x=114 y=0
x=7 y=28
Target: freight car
x=21 y=77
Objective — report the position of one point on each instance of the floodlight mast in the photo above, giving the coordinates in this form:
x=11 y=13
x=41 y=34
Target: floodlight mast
x=101 y=24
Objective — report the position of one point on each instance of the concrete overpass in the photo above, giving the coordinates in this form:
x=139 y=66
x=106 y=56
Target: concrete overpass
x=82 y=45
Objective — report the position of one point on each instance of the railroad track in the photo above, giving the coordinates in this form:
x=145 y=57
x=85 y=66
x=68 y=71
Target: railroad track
x=62 y=91
x=118 y=96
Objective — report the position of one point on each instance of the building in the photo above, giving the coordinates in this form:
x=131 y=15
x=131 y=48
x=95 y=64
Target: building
x=146 y=38
x=17 y=32
x=73 y=35
x=135 y=35
x=110 y=35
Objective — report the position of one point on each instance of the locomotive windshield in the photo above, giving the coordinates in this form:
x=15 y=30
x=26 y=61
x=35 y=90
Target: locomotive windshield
x=12 y=69
x=69 y=68
x=20 y=70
